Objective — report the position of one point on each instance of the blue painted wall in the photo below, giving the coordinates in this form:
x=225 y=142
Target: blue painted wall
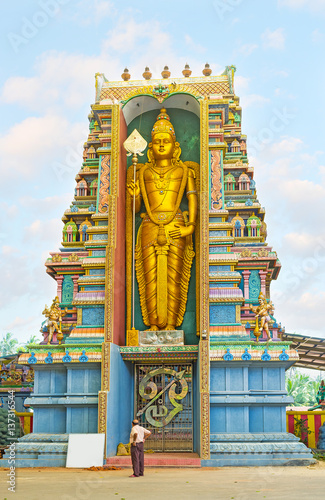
x=93 y=316
x=120 y=401
x=222 y=314
x=247 y=397
x=65 y=398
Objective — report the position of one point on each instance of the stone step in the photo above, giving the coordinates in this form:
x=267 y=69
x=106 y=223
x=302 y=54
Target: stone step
x=258 y=460
x=182 y=460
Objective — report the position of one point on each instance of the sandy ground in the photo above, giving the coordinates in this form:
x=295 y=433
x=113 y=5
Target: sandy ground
x=238 y=483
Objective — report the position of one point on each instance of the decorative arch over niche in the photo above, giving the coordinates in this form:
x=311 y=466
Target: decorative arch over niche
x=140 y=104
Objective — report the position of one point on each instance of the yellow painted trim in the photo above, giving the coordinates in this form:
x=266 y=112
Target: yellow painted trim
x=311 y=427
x=27 y=420
x=321 y=412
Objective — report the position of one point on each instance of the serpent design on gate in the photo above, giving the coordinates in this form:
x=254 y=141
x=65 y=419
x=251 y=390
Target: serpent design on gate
x=158 y=415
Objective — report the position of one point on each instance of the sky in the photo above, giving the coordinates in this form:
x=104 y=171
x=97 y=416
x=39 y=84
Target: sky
x=50 y=51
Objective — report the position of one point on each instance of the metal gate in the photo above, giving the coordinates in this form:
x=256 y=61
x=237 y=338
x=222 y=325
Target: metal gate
x=163 y=399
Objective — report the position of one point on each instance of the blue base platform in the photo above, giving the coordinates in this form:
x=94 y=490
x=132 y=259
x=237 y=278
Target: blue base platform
x=39 y=450
x=261 y=449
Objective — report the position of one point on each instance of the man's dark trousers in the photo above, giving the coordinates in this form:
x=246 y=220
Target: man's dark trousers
x=137 y=457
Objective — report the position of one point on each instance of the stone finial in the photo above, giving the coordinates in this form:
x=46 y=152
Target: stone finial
x=165 y=73
x=147 y=74
x=125 y=75
x=207 y=70
x=186 y=71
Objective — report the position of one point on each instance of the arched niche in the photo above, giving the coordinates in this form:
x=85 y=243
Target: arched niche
x=141 y=104
x=184 y=111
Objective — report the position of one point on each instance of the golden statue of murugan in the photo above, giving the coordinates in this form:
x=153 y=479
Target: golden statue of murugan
x=164 y=247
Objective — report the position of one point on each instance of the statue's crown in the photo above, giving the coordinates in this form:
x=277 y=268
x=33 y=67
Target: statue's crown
x=163 y=124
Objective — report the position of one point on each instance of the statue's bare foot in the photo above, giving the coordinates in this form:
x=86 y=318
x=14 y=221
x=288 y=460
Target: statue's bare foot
x=153 y=328
x=170 y=327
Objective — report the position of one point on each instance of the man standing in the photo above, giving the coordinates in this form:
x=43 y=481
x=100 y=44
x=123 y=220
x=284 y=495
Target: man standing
x=137 y=438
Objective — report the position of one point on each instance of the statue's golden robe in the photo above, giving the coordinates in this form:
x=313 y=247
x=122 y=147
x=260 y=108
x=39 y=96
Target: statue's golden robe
x=169 y=285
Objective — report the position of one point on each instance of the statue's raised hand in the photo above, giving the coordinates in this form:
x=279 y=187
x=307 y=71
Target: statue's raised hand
x=133 y=188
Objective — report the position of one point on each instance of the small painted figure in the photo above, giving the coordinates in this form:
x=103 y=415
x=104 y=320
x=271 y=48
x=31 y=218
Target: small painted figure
x=262 y=311
x=320 y=397
x=54 y=316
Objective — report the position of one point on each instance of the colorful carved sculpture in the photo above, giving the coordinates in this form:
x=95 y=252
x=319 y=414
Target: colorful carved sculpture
x=320 y=397
x=54 y=316
x=164 y=249
x=262 y=311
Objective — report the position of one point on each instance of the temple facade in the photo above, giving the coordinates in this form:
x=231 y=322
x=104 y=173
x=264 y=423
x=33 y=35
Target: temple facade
x=163 y=307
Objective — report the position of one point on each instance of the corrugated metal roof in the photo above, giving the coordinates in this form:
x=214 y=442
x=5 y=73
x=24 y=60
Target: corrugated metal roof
x=311 y=350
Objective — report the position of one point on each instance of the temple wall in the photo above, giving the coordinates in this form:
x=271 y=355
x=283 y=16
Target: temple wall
x=65 y=398
x=119 y=401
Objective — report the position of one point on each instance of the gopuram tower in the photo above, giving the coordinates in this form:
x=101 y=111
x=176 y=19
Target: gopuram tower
x=163 y=306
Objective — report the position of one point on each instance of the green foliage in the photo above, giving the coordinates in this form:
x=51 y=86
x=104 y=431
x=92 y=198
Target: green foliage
x=303 y=388
x=10 y=345
x=301 y=427
x=5 y=439
x=319 y=456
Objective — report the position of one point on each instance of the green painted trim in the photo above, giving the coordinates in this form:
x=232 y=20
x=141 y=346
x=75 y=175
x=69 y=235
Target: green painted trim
x=225 y=324
x=272 y=346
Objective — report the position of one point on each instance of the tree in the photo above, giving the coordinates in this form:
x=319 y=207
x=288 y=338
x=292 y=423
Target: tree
x=8 y=344
x=303 y=388
x=33 y=339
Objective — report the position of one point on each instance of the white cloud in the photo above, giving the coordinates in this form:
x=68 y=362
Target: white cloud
x=193 y=45
x=20 y=322
x=11 y=211
x=49 y=230
x=247 y=49
x=48 y=204
x=313 y=5
x=41 y=140
x=304 y=315
x=286 y=145
x=273 y=39
x=254 y=100
x=317 y=36
x=241 y=84
x=94 y=12
x=302 y=243
x=129 y=36
x=61 y=81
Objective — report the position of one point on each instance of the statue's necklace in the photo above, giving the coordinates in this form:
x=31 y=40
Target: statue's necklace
x=161 y=180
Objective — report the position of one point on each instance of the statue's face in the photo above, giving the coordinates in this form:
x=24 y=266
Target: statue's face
x=163 y=146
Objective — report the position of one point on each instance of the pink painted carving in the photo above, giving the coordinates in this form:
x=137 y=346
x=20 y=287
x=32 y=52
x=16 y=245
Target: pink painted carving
x=104 y=185
x=216 y=184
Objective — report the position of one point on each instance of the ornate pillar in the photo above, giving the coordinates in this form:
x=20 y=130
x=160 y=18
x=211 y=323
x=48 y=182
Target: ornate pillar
x=59 y=280
x=75 y=284
x=203 y=280
x=263 y=275
x=246 y=275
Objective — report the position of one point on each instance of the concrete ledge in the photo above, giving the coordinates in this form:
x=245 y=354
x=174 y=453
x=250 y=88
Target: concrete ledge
x=259 y=460
x=159 y=460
